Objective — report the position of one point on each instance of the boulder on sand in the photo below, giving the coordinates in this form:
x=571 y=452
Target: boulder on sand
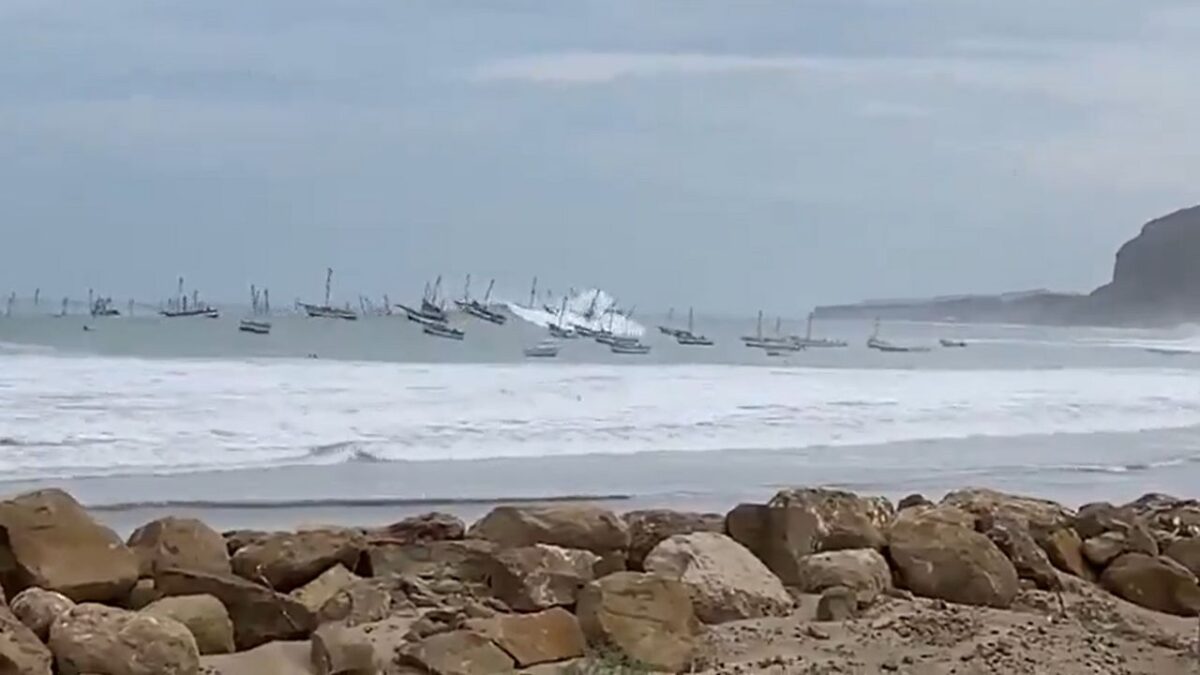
x=54 y=544
x=178 y=542
x=338 y=650
x=1065 y=550
x=259 y=614
x=1157 y=583
x=466 y=560
x=863 y=570
x=38 y=608
x=1036 y=514
x=317 y=592
x=287 y=560
x=1104 y=548
x=1013 y=539
x=459 y=652
x=644 y=617
x=837 y=603
x=577 y=526
x=203 y=615
x=725 y=581
x=433 y=526
x=937 y=559
x=544 y=637
x=800 y=522
x=91 y=638
x=1186 y=552
x=21 y=652
x=649 y=527
x=536 y=577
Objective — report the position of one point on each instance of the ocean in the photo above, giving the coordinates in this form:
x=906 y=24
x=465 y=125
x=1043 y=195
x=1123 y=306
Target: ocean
x=364 y=422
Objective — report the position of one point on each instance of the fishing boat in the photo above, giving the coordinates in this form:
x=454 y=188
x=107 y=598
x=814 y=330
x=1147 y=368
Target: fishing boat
x=629 y=347
x=881 y=345
x=260 y=305
x=668 y=329
x=327 y=311
x=688 y=337
x=480 y=310
x=952 y=344
x=103 y=307
x=776 y=343
x=546 y=349
x=431 y=310
x=179 y=308
x=558 y=330
x=442 y=330
x=1169 y=351
x=809 y=341
x=255 y=326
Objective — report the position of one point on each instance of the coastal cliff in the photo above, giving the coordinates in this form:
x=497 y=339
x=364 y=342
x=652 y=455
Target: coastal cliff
x=1156 y=281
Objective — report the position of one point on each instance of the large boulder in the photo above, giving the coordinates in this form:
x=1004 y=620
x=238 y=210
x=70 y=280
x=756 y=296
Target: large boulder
x=1036 y=514
x=91 y=638
x=647 y=528
x=547 y=636
x=203 y=615
x=459 y=652
x=1186 y=552
x=1013 y=539
x=259 y=614
x=21 y=652
x=467 y=560
x=272 y=658
x=339 y=650
x=577 y=526
x=37 y=608
x=1065 y=550
x=1096 y=519
x=363 y=601
x=236 y=540
x=938 y=559
x=541 y=576
x=1157 y=583
x=317 y=592
x=800 y=522
x=433 y=526
x=1179 y=517
x=178 y=542
x=288 y=560
x=863 y=570
x=644 y=617
x=725 y=581
x=52 y=543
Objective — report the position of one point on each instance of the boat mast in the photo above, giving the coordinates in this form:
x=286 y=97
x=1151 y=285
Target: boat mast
x=808 y=330
x=690 y=317
x=467 y=290
x=266 y=294
x=562 y=313
x=180 y=299
x=487 y=296
x=253 y=300
x=533 y=294
x=64 y=306
x=37 y=295
x=758 y=332
x=328 y=284
x=91 y=303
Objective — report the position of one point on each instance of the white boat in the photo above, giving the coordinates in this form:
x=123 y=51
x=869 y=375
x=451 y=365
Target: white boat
x=625 y=347
x=559 y=330
x=881 y=345
x=256 y=326
x=260 y=304
x=480 y=310
x=441 y=330
x=809 y=341
x=327 y=311
x=952 y=344
x=546 y=349
x=777 y=343
x=178 y=307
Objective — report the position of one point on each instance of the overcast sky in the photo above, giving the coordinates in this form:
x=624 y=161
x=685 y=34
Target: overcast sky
x=722 y=154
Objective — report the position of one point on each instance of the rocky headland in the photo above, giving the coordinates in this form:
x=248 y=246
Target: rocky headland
x=813 y=581
x=1155 y=281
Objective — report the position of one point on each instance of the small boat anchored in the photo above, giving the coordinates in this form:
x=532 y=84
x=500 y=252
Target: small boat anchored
x=809 y=341
x=688 y=338
x=546 y=349
x=778 y=343
x=260 y=305
x=629 y=346
x=444 y=331
x=560 y=331
x=480 y=310
x=880 y=345
x=178 y=307
x=952 y=344
x=327 y=311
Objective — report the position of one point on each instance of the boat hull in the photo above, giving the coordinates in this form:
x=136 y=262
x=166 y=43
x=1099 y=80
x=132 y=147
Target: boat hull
x=321 y=312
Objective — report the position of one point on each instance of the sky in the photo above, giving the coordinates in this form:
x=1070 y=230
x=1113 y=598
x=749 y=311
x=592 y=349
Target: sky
x=709 y=153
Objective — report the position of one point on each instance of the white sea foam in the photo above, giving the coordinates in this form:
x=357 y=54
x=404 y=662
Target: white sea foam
x=592 y=308
x=64 y=416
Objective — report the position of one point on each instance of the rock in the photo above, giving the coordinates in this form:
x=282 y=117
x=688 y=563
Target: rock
x=648 y=528
x=1093 y=520
x=459 y=652
x=643 y=617
x=433 y=526
x=338 y=650
x=937 y=559
x=575 y=526
x=273 y=658
x=1104 y=548
x=467 y=560
x=725 y=581
x=530 y=639
x=1186 y=552
x=540 y=576
x=317 y=592
x=21 y=652
x=1153 y=277
x=54 y=544
x=837 y=603
x=259 y=614
x=142 y=594
x=1065 y=550
x=913 y=500
x=178 y=542
x=1158 y=583
x=1030 y=560
x=949 y=515
x=203 y=615
x=235 y=540
x=359 y=602
x=288 y=560
x=91 y=638
x=1036 y=514
x=865 y=571
x=38 y=608
x=799 y=522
